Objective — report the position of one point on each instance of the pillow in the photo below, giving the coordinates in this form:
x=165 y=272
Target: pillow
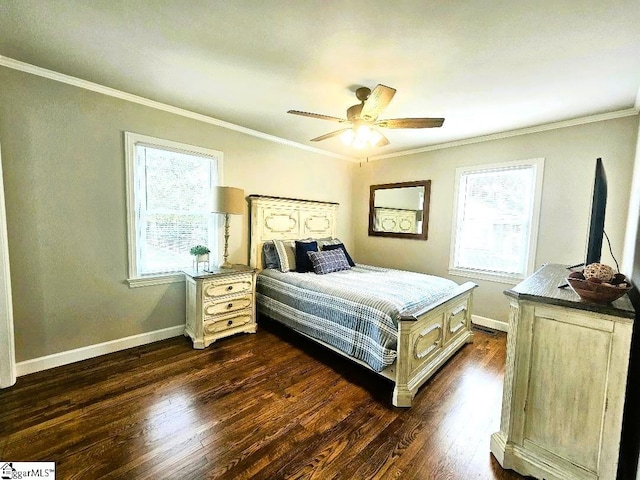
x=340 y=246
x=328 y=261
x=303 y=264
x=328 y=241
x=286 y=251
x=323 y=240
x=270 y=256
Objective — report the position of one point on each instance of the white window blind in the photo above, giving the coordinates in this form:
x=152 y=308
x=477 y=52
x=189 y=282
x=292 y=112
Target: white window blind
x=496 y=220
x=171 y=196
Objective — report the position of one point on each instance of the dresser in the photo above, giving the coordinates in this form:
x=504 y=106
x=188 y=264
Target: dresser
x=220 y=303
x=564 y=383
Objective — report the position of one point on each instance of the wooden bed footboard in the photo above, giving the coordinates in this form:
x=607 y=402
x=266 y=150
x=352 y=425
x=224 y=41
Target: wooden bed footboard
x=426 y=340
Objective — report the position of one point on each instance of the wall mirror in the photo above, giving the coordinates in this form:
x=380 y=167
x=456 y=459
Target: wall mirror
x=400 y=209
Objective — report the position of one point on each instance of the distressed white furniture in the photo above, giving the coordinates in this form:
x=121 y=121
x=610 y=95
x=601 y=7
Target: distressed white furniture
x=565 y=381
x=220 y=303
x=426 y=338
x=395 y=220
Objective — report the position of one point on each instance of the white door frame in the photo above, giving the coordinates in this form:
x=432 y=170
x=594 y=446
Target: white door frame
x=7 y=345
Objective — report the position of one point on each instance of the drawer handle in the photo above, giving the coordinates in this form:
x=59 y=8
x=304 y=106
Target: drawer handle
x=229 y=288
x=230 y=322
x=230 y=305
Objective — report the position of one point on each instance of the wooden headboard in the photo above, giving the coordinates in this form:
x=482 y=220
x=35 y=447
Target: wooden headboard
x=274 y=218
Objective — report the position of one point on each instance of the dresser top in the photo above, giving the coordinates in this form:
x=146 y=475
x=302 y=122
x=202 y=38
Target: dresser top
x=215 y=271
x=542 y=287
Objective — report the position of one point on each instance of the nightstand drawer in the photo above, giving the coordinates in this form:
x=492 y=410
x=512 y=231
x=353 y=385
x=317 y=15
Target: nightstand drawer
x=217 y=288
x=220 y=304
x=227 y=305
x=226 y=323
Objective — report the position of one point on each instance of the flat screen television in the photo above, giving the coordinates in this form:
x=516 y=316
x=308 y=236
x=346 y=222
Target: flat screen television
x=598 y=209
x=596 y=221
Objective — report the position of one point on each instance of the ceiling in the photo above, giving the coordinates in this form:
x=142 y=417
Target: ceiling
x=486 y=66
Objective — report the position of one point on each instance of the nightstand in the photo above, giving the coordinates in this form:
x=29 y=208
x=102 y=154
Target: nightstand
x=220 y=303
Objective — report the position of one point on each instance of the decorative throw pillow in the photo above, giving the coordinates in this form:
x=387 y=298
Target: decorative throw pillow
x=303 y=264
x=328 y=261
x=286 y=251
x=270 y=256
x=340 y=246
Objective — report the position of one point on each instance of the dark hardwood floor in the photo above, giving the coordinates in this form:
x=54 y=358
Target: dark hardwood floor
x=264 y=406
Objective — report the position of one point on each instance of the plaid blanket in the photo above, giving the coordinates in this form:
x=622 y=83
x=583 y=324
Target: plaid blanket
x=354 y=310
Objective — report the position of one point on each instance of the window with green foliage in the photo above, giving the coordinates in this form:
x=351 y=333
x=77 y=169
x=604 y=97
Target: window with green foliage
x=169 y=204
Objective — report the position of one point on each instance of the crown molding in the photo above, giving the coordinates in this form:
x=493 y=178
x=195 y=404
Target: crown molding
x=112 y=92
x=629 y=112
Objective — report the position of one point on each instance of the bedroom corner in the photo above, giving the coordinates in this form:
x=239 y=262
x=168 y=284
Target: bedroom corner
x=7 y=346
x=569 y=152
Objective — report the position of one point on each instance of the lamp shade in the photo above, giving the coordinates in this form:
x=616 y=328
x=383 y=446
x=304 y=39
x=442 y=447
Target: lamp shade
x=228 y=200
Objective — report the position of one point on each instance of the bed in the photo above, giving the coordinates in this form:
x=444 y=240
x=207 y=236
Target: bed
x=405 y=333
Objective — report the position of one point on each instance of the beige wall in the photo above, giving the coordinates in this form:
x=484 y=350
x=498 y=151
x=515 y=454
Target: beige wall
x=631 y=441
x=64 y=180
x=631 y=438
x=569 y=154
x=632 y=242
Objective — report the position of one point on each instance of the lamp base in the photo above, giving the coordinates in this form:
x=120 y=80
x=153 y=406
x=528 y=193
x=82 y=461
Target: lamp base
x=226 y=265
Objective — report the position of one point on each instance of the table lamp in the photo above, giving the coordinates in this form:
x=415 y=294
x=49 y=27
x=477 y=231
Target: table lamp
x=230 y=201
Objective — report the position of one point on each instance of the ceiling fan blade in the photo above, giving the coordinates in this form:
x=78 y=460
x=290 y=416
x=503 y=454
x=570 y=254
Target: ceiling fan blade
x=328 y=135
x=410 y=123
x=317 y=115
x=377 y=102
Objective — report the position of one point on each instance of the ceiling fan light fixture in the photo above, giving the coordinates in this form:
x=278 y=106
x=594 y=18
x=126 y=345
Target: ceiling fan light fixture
x=348 y=136
x=359 y=144
x=361 y=136
x=363 y=132
x=364 y=122
x=374 y=137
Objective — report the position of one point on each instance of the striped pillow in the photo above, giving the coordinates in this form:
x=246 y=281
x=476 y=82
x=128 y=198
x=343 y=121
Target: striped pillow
x=270 y=256
x=328 y=261
x=286 y=251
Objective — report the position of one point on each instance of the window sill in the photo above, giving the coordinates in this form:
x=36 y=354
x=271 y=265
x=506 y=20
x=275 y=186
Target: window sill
x=489 y=276
x=155 y=280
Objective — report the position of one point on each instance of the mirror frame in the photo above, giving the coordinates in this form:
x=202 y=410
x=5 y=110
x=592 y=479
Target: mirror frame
x=425 y=210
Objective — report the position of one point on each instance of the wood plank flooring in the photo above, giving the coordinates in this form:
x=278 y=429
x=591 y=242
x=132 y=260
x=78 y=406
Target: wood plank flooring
x=265 y=406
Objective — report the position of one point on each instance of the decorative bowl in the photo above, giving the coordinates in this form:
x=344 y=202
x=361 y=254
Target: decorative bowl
x=597 y=292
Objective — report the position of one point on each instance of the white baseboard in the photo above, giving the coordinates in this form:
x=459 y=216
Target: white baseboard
x=91 y=351
x=490 y=323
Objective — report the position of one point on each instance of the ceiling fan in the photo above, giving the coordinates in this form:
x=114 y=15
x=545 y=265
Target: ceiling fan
x=363 y=118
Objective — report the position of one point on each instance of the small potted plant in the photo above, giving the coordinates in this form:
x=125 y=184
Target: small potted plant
x=201 y=253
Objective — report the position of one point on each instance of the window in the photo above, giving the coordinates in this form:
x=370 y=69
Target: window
x=169 y=188
x=496 y=220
